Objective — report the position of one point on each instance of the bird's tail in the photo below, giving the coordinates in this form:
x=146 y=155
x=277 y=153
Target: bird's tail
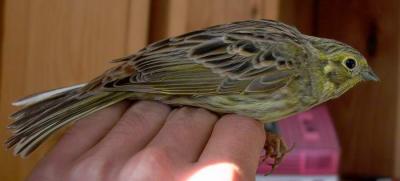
x=46 y=112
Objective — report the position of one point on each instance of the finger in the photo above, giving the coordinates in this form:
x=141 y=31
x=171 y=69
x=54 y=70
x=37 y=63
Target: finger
x=235 y=140
x=86 y=133
x=185 y=134
x=137 y=127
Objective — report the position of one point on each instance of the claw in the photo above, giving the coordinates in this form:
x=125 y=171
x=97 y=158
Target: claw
x=275 y=149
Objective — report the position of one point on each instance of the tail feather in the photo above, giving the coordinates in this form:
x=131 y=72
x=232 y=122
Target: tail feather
x=41 y=117
x=32 y=112
x=44 y=95
x=34 y=119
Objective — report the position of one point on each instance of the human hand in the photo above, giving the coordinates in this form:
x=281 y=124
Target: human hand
x=149 y=141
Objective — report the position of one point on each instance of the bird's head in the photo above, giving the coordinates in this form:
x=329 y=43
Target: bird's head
x=341 y=64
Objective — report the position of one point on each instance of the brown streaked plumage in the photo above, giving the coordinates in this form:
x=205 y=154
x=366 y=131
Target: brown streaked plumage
x=259 y=68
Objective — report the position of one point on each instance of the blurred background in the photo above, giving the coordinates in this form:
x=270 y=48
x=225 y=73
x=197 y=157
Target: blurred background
x=52 y=43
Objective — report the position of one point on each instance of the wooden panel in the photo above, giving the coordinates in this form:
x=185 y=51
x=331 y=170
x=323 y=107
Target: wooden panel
x=174 y=17
x=397 y=127
x=137 y=25
x=301 y=14
x=367 y=116
x=225 y=11
x=1 y=36
x=48 y=44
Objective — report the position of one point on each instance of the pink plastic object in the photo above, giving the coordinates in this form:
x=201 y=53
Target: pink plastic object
x=316 y=148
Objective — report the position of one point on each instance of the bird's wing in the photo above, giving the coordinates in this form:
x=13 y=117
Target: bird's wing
x=243 y=57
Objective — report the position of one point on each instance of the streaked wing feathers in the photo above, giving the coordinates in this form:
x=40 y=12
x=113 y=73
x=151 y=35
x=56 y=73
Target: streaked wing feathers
x=249 y=56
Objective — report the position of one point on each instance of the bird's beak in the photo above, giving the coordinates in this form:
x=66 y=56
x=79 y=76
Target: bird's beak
x=369 y=75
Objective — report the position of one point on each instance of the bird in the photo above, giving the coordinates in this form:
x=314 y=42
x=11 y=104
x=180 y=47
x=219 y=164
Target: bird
x=263 y=69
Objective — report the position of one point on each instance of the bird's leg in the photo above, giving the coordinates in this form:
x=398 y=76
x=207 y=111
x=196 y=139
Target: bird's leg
x=275 y=150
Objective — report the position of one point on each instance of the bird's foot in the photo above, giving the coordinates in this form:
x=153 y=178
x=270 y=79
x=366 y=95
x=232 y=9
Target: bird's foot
x=275 y=150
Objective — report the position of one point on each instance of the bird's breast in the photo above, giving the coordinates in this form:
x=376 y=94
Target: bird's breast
x=266 y=107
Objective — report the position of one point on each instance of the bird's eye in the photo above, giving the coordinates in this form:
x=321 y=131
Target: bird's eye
x=350 y=63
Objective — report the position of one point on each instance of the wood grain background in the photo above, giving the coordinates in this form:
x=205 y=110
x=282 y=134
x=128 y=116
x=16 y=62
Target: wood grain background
x=53 y=43
x=47 y=44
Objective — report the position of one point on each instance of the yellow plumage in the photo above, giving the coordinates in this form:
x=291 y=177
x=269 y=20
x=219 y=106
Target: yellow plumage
x=259 y=68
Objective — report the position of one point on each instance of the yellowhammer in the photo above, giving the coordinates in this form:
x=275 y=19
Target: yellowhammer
x=263 y=69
